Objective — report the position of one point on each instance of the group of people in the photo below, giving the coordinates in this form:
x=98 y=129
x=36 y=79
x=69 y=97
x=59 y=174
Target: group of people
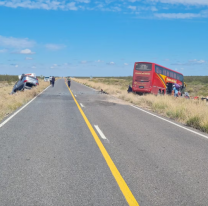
x=52 y=81
x=178 y=90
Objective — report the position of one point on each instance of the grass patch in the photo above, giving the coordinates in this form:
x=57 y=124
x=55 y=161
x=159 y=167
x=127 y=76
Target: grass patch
x=194 y=122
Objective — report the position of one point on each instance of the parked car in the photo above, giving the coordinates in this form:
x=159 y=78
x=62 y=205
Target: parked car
x=46 y=79
x=26 y=81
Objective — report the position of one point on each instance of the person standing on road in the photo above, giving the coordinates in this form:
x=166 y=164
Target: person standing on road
x=69 y=81
x=53 y=81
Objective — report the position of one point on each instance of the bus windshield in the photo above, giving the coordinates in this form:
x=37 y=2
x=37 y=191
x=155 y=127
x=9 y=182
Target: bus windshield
x=143 y=67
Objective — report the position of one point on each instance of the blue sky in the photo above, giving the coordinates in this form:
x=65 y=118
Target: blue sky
x=102 y=38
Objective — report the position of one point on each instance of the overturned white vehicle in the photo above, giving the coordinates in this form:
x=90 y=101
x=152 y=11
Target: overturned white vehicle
x=26 y=81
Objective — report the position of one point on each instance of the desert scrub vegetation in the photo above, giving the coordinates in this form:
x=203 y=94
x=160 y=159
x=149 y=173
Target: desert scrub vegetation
x=9 y=103
x=193 y=113
x=8 y=78
x=197 y=85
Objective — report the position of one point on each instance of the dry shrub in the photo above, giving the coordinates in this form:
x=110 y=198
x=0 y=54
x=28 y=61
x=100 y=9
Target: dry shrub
x=9 y=103
x=193 y=113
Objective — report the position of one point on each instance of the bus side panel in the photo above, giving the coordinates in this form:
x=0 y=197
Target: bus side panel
x=158 y=84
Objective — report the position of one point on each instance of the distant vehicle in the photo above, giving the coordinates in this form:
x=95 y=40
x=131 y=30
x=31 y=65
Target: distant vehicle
x=153 y=78
x=46 y=79
x=26 y=81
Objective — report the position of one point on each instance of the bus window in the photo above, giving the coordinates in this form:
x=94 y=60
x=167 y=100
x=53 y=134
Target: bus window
x=174 y=75
x=143 y=67
x=181 y=77
x=171 y=74
x=164 y=71
x=159 y=70
x=168 y=73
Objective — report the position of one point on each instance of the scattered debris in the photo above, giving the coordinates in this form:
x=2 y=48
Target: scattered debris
x=103 y=92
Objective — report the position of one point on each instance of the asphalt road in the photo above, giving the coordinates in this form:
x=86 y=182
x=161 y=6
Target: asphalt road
x=48 y=155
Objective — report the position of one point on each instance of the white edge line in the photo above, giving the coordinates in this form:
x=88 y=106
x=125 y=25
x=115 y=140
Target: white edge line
x=81 y=105
x=171 y=122
x=3 y=123
x=100 y=132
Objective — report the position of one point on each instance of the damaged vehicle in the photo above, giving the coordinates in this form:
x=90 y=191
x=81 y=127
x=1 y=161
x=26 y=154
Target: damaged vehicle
x=26 y=81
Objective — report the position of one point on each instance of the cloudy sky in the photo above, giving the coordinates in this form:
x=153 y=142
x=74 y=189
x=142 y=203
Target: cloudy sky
x=102 y=38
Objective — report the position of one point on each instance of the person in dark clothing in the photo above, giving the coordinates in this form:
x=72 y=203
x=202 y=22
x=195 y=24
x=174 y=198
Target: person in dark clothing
x=53 y=81
x=69 y=81
x=129 y=89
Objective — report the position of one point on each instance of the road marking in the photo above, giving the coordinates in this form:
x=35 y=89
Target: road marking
x=3 y=123
x=119 y=179
x=100 y=132
x=81 y=105
x=75 y=95
x=171 y=122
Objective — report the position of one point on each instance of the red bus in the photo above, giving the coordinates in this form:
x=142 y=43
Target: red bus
x=152 y=78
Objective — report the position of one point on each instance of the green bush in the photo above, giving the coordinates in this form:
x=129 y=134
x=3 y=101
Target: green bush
x=9 y=78
x=196 y=79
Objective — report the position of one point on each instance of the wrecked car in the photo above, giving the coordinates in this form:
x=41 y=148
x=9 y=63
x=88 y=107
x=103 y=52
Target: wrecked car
x=26 y=81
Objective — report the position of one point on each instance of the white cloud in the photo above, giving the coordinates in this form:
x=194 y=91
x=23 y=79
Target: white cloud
x=99 y=61
x=191 y=62
x=42 y=4
x=177 y=15
x=111 y=63
x=26 y=51
x=16 y=42
x=33 y=67
x=28 y=58
x=54 y=47
x=83 y=62
x=140 y=8
x=126 y=64
x=3 y=50
x=83 y=1
x=185 y=2
x=195 y=61
x=16 y=65
x=132 y=7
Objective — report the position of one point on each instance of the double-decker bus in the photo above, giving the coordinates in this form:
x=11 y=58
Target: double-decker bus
x=153 y=78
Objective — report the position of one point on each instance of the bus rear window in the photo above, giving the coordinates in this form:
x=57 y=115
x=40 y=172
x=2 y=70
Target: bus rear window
x=143 y=67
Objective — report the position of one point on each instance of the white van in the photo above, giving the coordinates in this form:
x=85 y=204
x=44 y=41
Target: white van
x=46 y=79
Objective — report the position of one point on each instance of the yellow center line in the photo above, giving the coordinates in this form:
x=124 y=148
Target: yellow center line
x=119 y=179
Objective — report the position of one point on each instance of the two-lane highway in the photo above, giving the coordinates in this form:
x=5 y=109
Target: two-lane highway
x=49 y=155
